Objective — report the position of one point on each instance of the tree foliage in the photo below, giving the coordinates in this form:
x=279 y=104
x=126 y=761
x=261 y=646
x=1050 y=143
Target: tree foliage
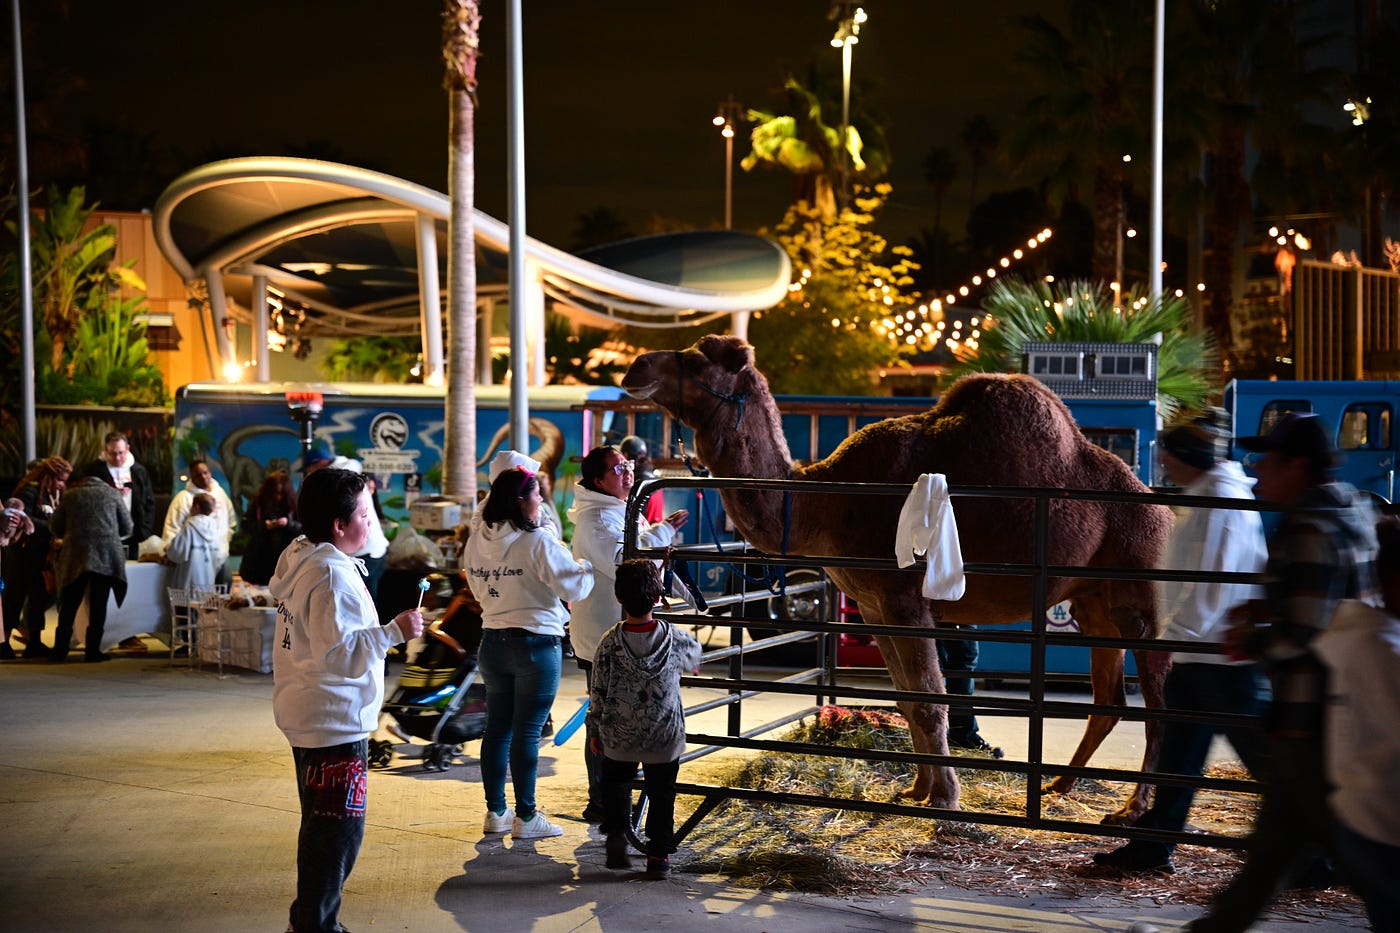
x=373 y=359
x=824 y=338
x=1084 y=311
x=91 y=346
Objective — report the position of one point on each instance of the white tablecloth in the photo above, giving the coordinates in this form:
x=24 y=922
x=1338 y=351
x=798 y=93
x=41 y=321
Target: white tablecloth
x=249 y=636
x=144 y=611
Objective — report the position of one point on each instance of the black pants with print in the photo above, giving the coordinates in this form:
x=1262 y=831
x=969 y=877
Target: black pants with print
x=331 y=782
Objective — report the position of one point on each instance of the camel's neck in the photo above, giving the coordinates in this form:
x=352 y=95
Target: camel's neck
x=750 y=448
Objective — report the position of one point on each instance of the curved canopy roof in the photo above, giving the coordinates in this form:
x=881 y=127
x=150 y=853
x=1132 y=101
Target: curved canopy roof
x=343 y=241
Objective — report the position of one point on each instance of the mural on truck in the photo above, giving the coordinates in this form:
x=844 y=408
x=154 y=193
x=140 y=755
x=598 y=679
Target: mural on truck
x=396 y=432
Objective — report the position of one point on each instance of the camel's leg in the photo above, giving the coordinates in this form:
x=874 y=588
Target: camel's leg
x=913 y=665
x=1106 y=674
x=1152 y=675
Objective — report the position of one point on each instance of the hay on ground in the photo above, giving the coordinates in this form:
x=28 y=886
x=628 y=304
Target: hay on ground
x=852 y=853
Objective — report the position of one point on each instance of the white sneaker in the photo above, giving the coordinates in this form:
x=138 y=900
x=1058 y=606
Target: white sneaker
x=537 y=828
x=501 y=823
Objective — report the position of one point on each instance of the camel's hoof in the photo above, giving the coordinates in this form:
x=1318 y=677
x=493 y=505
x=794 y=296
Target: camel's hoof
x=1125 y=816
x=1058 y=786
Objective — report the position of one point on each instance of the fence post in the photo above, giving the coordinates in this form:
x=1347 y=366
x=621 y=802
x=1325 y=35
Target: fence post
x=1353 y=304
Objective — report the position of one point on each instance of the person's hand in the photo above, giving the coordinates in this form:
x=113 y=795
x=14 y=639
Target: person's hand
x=678 y=518
x=595 y=745
x=410 y=622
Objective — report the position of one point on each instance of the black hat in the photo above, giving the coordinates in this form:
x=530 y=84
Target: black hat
x=1296 y=434
x=1193 y=445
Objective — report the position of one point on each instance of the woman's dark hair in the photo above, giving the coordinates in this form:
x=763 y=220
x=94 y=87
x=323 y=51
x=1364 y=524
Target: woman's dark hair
x=595 y=466
x=637 y=586
x=276 y=494
x=45 y=474
x=503 y=504
x=327 y=495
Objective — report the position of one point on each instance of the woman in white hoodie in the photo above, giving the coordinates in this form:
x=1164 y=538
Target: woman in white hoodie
x=519 y=572
x=600 y=522
x=328 y=684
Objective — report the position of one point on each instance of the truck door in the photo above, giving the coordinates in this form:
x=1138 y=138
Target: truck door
x=1268 y=417
x=1366 y=438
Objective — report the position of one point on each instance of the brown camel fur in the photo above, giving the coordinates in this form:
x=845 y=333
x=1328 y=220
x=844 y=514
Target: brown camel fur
x=988 y=429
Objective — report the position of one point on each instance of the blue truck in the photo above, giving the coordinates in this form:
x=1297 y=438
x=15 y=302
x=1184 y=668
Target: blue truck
x=1359 y=415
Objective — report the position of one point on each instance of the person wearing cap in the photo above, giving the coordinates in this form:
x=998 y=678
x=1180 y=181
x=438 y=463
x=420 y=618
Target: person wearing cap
x=635 y=449
x=313 y=460
x=1212 y=540
x=1322 y=552
x=374 y=554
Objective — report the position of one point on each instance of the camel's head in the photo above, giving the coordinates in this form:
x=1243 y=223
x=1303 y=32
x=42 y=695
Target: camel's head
x=688 y=382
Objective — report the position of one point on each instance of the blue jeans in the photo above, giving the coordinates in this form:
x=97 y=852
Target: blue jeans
x=1204 y=688
x=331 y=783
x=521 y=671
x=959 y=655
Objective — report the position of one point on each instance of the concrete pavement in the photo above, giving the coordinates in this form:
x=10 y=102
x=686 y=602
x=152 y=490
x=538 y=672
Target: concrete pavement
x=137 y=796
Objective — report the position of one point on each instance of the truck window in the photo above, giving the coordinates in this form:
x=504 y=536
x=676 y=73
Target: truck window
x=1121 y=442
x=1275 y=410
x=1365 y=426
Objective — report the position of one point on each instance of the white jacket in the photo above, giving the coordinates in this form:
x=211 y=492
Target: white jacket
x=1361 y=647
x=180 y=507
x=520 y=576
x=598 y=526
x=328 y=657
x=1214 y=541
x=197 y=551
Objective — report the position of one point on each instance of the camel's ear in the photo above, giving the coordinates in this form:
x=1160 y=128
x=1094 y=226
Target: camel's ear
x=727 y=351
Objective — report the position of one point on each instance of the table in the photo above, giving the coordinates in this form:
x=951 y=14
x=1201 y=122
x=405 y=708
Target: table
x=144 y=611
x=249 y=637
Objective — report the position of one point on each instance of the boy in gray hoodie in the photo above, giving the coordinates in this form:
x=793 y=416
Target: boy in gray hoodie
x=636 y=716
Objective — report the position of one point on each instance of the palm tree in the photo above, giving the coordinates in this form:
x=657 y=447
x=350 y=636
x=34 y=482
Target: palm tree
x=461 y=40
x=1097 y=76
x=1019 y=311
x=1248 y=78
x=940 y=170
x=981 y=138
x=799 y=141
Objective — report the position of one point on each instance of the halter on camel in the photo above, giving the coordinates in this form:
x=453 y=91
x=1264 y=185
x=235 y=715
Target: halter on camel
x=774 y=580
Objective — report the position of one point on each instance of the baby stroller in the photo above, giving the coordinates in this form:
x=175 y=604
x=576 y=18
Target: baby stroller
x=438 y=697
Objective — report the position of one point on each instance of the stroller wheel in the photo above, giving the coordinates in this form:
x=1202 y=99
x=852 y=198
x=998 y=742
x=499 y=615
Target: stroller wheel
x=437 y=757
x=380 y=753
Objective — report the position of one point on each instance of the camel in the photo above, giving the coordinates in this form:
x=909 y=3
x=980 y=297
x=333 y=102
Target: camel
x=987 y=429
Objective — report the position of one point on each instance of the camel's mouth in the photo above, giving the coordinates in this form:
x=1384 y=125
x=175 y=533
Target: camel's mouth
x=646 y=390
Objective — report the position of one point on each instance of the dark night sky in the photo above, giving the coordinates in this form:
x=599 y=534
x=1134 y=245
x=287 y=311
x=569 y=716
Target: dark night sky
x=619 y=95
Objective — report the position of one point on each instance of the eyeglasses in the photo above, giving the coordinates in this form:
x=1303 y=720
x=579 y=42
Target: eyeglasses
x=626 y=466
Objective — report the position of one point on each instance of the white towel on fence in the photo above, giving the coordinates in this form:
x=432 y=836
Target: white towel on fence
x=927 y=526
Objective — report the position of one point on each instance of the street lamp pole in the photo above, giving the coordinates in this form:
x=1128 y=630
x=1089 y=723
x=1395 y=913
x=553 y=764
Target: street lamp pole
x=850 y=16
x=729 y=113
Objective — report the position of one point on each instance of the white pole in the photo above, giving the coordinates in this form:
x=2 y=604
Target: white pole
x=259 y=311
x=1154 y=253
x=26 y=259
x=845 y=117
x=515 y=184
x=430 y=298
x=729 y=180
x=218 y=311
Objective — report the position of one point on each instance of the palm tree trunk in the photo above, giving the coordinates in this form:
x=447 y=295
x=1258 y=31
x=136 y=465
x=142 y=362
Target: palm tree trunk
x=1228 y=207
x=461 y=32
x=1108 y=206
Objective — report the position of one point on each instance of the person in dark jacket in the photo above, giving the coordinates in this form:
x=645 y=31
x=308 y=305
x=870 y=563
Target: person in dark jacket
x=272 y=525
x=26 y=596
x=91 y=522
x=119 y=469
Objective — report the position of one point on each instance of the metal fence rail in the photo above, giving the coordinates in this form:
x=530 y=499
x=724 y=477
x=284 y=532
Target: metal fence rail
x=823 y=683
